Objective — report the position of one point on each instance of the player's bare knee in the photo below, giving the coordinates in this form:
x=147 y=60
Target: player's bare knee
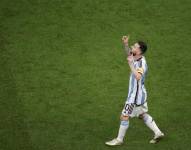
x=124 y=118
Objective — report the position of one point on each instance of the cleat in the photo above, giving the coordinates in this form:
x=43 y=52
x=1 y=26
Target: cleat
x=114 y=142
x=157 y=138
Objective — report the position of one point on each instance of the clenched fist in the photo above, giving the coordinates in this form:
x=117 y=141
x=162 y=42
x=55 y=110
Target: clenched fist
x=125 y=39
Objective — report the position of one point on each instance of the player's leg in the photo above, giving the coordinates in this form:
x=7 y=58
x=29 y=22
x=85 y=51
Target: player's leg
x=148 y=120
x=124 y=124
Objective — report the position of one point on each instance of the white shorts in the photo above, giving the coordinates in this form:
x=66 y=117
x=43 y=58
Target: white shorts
x=132 y=110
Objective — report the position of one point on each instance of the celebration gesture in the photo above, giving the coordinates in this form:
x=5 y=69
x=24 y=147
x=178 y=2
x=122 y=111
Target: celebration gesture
x=125 y=39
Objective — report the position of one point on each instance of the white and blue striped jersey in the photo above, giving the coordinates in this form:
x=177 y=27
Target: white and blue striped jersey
x=137 y=93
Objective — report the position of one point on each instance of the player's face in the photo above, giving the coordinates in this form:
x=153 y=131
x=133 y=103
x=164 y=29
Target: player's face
x=136 y=49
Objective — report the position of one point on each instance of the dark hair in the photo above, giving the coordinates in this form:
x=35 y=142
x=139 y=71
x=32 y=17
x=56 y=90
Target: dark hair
x=143 y=46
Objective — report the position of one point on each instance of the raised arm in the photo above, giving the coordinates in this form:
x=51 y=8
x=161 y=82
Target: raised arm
x=125 y=40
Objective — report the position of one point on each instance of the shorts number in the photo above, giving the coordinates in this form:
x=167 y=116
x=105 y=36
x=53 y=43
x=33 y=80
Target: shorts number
x=128 y=108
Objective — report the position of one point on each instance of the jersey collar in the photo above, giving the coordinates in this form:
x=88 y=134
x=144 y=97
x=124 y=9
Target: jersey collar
x=139 y=58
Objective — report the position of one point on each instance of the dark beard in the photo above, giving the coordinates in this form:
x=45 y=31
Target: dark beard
x=131 y=53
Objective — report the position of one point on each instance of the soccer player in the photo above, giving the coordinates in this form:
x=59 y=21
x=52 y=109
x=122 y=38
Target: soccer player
x=136 y=103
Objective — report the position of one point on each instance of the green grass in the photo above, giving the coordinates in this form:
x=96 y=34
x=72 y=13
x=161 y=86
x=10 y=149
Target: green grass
x=64 y=76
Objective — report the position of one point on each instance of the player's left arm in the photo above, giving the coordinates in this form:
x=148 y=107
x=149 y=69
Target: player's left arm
x=137 y=72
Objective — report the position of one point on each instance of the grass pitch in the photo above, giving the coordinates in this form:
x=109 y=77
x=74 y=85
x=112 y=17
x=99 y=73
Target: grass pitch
x=64 y=76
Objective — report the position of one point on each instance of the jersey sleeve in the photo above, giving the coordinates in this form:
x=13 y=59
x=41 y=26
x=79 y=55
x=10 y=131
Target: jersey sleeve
x=142 y=67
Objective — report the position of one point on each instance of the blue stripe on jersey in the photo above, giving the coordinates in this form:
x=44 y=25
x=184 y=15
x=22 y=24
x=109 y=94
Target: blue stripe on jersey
x=143 y=98
x=137 y=92
x=132 y=85
x=140 y=63
x=137 y=89
x=143 y=79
